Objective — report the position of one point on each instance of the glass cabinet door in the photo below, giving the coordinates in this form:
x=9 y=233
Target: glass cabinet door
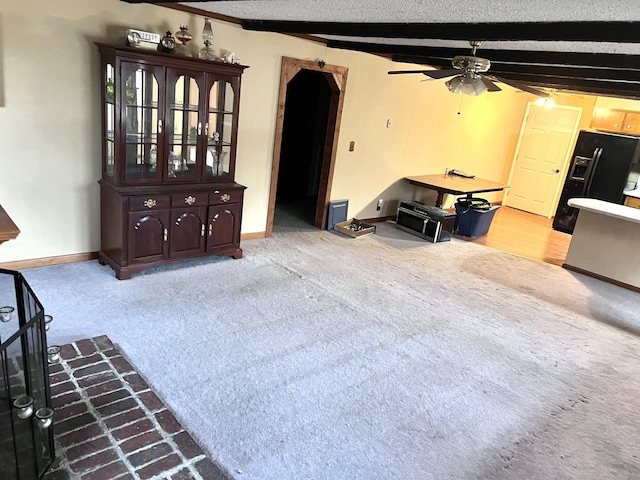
x=141 y=121
x=108 y=162
x=220 y=115
x=184 y=126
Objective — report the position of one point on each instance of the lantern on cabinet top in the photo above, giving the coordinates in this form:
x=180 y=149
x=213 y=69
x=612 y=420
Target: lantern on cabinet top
x=167 y=43
x=207 y=52
x=184 y=37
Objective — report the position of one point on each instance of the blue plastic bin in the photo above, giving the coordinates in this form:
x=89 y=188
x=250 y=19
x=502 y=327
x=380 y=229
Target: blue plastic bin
x=471 y=222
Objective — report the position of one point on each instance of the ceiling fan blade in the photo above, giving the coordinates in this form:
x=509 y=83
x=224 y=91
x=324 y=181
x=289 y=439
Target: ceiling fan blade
x=428 y=73
x=521 y=86
x=402 y=72
x=492 y=86
x=442 y=73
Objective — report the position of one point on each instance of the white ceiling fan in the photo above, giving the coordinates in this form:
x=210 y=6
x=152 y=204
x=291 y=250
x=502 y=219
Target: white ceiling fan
x=469 y=77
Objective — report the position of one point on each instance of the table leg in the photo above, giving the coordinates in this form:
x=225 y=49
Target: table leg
x=439 y=199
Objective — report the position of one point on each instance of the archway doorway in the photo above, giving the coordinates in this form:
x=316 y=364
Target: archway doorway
x=323 y=86
x=302 y=148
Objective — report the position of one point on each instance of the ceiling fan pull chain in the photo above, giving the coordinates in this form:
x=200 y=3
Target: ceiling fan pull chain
x=460 y=105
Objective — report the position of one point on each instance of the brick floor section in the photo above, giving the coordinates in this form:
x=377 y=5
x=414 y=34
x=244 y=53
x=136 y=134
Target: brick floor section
x=109 y=425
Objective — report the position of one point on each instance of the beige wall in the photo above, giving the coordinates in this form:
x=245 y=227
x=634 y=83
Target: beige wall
x=49 y=121
x=618 y=103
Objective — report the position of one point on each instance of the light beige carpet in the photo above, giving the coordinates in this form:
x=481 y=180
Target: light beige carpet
x=319 y=356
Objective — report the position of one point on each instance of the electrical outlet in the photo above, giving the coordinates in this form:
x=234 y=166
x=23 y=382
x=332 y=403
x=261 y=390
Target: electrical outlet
x=379 y=205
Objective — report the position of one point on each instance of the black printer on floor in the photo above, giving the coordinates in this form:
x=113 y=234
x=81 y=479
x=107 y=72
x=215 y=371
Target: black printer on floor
x=426 y=221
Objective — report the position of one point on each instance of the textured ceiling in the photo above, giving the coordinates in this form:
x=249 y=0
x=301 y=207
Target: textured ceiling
x=427 y=11
x=582 y=45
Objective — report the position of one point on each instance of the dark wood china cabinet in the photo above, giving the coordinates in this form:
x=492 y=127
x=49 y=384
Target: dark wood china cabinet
x=169 y=130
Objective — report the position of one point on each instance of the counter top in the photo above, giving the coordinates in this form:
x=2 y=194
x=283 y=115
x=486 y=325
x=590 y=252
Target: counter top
x=606 y=208
x=632 y=193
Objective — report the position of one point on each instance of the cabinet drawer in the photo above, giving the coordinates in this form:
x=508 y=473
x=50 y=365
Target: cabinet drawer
x=219 y=197
x=197 y=199
x=632 y=202
x=150 y=202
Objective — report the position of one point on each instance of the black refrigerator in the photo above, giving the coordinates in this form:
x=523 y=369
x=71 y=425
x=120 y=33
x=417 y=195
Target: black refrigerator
x=603 y=165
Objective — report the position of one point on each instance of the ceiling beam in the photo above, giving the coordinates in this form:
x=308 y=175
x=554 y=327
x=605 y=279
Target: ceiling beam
x=626 y=32
x=593 y=86
x=401 y=52
x=569 y=71
x=564 y=73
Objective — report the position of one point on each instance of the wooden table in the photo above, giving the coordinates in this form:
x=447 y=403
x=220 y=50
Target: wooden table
x=455 y=185
x=8 y=229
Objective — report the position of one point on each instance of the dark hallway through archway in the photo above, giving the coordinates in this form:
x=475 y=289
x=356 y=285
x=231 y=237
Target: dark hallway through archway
x=304 y=135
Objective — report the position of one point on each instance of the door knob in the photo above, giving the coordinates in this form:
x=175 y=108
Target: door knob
x=557 y=170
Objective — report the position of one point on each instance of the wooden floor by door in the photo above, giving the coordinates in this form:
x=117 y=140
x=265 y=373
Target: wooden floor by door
x=542 y=157
x=525 y=234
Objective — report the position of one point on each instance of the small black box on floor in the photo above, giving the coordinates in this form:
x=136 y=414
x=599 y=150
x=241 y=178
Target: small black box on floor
x=337 y=212
x=473 y=221
x=426 y=221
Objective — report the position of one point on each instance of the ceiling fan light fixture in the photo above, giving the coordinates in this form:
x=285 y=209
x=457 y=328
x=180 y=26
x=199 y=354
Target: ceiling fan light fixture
x=454 y=84
x=467 y=84
x=545 y=102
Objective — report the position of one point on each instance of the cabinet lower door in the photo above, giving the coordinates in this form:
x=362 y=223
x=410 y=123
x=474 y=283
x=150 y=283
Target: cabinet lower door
x=224 y=226
x=188 y=231
x=148 y=236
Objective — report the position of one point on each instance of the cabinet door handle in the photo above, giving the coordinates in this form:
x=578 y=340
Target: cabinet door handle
x=159 y=126
x=210 y=229
x=199 y=128
x=166 y=234
x=202 y=231
x=189 y=200
x=206 y=129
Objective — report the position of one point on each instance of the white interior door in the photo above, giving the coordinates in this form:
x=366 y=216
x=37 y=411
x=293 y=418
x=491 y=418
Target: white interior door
x=542 y=155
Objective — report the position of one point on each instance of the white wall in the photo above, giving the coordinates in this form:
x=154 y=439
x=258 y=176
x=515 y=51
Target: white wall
x=50 y=127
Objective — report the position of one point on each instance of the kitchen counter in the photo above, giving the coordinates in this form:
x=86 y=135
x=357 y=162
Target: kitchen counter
x=606 y=208
x=635 y=193
x=605 y=242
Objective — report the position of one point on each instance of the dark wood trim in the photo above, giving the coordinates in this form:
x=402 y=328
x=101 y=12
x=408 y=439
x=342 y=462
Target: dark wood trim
x=600 y=73
x=8 y=229
x=615 y=75
x=592 y=73
x=337 y=78
x=595 y=31
x=622 y=83
x=601 y=278
x=427 y=55
x=592 y=86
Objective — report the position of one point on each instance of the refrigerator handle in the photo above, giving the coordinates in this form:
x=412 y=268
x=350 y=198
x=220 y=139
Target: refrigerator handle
x=592 y=169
